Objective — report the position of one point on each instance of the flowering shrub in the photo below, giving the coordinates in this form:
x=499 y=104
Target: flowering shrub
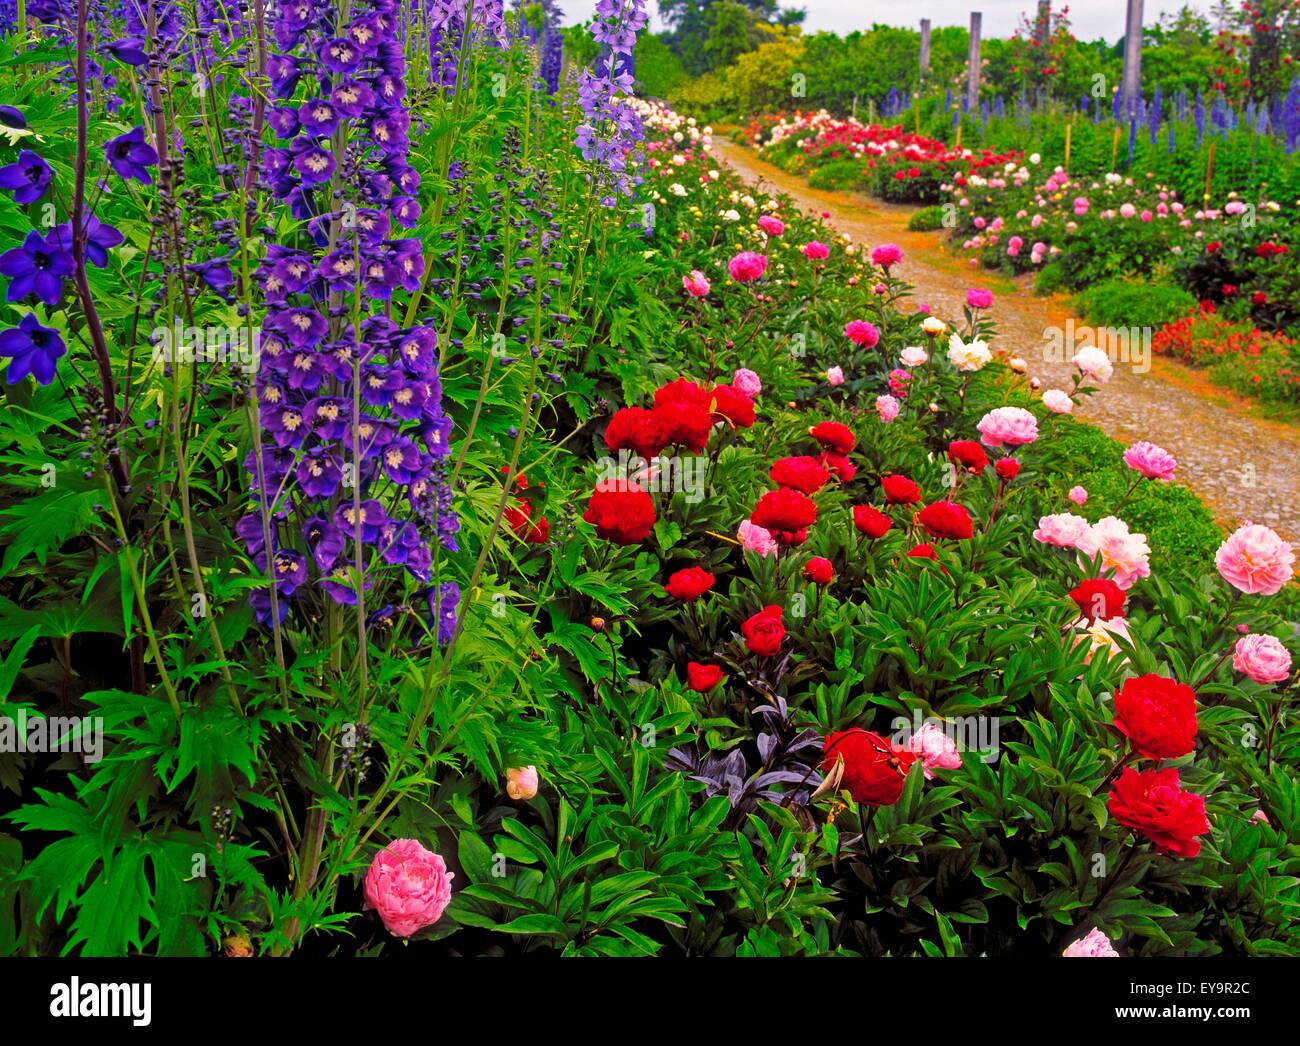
x=1238 y=354
x=592 y=559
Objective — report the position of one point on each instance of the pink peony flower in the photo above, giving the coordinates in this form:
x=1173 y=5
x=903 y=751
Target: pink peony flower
x=408 y=886
x=756 y=539
x=887 y=407
x=1152 y=461
x=696 y=284
x=1058 y=402
x=887 y=254
x=771 y=225
x=1096 y=945
x=1078 y=495
x=913 y=356
x=937 y=750
x=1255 y=560
x=1127 y=210
x=978 y=298
x=1064 y=530
x=746 y=267
x=1127 y=554
x=815 y=250
x=835 y=375
x=746 y=382
x=862 y=333
x=1262 y=658
x=521 y=782
x=1009 y=426
x=1094 y=363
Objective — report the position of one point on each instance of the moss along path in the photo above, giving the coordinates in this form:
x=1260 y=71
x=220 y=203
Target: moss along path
x=1245 y=466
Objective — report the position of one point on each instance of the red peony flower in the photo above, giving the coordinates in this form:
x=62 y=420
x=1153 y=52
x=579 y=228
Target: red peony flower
x=923 y=552
x=1099 y=599
x=803 y=474
x=638 y=430
x=702 y=678
x=621 y=512
x=819 y=571
x=871 y=521
x=899 y=490
x=839 y=466
x=968 y=454
x=785 y=514
x=1157 y=715
x=945 y=519
x=691 y=583
x=1007 y=469
x=764 y=631
x=519 y=519
x=1154 y=803
x=683 y=390
x=733 y=405
x=684 y=423
x=874 y=769
x=833 y=436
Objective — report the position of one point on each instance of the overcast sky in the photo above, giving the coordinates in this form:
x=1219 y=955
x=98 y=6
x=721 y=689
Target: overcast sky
x=1090 y=18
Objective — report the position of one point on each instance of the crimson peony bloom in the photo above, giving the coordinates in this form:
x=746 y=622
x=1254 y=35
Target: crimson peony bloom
x=685 y=423
x=519 y=519
x=683 y=390
x=703 y=678
x=874 y=769
x=764 y=631
x=899 y=490
x=1007 y=469
x=1099 y=599
x=1154 y=803
x=785 y=514
x=636 y=429
x=967 y=454
x=871 y=521
x=923 y=552
x=838 y=465
x=804 y=474
x=945 y=519
x=733 y=405
x=833 y=436
x=1158 y=716
x=689 y=584
x=621 y=512
x=819 y=571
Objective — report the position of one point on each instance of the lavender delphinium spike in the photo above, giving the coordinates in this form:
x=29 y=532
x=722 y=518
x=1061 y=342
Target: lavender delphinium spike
x=611 y=128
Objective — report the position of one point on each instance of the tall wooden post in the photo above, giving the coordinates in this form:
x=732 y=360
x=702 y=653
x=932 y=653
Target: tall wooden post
x=925 y=47
x=1044 y=27
x=1132 y=87
x=973 y=73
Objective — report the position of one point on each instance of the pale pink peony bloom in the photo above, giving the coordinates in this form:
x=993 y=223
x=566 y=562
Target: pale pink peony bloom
x=1152 y=461
x=1127 y=210
x=696 y=284
x=835 y=375
x=757 y=539
x=887 y=407
x=1058 y=402
x=1009 y=426
x=1262 y=658
x=1096 y=945
x=1259 y=817
x=408 y=886
x=1094 y=363
x=1078 y=495
x=746 y=382
x=937 y=750
x=1018 y=364
x=521 y=782
x=1255 y=560
x=1064 y=530
x=913 y=356
x=746 y=267
x=815 y=250
x=1126 y=554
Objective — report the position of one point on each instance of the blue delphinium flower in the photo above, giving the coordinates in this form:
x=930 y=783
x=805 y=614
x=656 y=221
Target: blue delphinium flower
x=27 y=178
x=131 y=156
x=31 y=349
x=37 y=267
x=100 y=239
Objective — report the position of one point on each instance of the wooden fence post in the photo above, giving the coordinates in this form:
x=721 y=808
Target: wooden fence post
x=973 y=59
x=1132 y=57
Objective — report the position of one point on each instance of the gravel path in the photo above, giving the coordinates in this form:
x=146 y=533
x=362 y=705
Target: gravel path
x=1244 y=466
